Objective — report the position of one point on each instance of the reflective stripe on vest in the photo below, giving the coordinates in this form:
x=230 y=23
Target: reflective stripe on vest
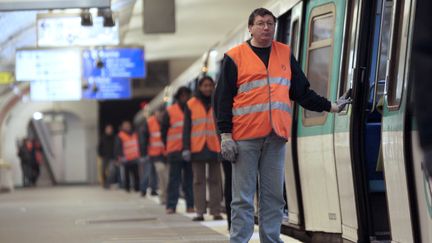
x=177 y=124
x=263 y=82
x=261 y=107
x=155 y=134
x=262 y=102
x=203 y=133
x=156 y=146
x=203 y=127
x=175 y=131
x=130 y=145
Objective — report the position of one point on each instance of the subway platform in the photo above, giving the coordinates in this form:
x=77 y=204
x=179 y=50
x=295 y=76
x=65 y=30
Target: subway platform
x=91 y=214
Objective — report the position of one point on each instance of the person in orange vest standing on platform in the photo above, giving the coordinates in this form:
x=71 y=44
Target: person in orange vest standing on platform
x=172 y=136
x=201 y=146
x=259 y=79
x=128 y=154
x=153 y=151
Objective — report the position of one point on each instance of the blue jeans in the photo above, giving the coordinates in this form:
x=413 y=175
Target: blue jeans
x=261 y=159
x=175 y=177
x=148 y=177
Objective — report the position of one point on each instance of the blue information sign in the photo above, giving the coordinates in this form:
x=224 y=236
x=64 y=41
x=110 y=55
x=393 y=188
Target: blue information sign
x=107 y=88
x=114 y=63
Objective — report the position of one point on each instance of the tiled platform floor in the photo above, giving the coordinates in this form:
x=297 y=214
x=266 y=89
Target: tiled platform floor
x=91 y=214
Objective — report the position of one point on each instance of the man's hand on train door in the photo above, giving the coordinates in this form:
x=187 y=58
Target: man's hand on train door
x=341 y=102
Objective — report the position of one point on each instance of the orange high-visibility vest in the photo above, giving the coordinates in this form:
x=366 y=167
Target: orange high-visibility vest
x=203 y=127
x=156 y=146
x=175 y=131
x=262 y=103
x=130 y=145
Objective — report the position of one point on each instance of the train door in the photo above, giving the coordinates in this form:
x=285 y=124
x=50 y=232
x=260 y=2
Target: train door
x=289 y=30
x=367 y=122
x=342 y=143
x=324 y=23
x=398 y=187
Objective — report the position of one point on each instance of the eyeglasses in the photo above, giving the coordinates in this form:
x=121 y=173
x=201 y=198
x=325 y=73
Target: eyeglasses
x=261 y=25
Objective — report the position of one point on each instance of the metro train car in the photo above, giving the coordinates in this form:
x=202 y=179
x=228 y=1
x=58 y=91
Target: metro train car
x=354 y=176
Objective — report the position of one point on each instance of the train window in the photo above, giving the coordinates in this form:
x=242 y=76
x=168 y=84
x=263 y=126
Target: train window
x=284 y=28
x=384 y=50
x=322 y=28
x=398 y=54
x=385 y=41
x=348 y=51
x=319 y=57
x=294 y=36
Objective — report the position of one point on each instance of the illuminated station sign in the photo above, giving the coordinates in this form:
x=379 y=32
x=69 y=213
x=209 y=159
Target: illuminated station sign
x=55 y=90
x=74 y=74
x=54 y=30
x=48 y=64
x=114 y=63
x=108 y=72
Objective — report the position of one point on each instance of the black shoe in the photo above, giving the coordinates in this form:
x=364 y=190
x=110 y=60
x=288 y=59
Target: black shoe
x=154 y=193
x=198 y=218
x=143 y=194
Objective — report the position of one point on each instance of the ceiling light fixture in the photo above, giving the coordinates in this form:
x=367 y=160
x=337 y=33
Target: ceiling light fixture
x=107 y=14
x=86 y=17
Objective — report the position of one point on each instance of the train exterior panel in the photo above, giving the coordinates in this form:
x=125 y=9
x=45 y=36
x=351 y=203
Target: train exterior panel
x=323 y=42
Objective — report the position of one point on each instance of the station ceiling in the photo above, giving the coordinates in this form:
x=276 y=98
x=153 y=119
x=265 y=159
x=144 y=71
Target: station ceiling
x=199 y=25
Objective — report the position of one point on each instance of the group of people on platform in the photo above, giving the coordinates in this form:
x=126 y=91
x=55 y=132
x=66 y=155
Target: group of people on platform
x=252 y=106
x=169 y=154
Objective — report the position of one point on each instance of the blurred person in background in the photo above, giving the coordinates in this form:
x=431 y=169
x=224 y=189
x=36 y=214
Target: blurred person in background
x=106 y=152
x=153 y=150
x=172 y=137
x=36 y=160
x=127 y=152
x=201 y=146
x=25 y=153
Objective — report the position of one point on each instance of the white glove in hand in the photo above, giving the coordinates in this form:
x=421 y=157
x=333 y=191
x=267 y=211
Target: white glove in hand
x=229 y=148
x=186 y=154
x=341 y=102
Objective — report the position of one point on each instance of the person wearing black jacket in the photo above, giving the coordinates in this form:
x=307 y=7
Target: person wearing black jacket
x=27 y=157
x=177 y=164
x=155 y=170
x=148 y=175
x=106 y=152
x=250 y=92
x=199 y=127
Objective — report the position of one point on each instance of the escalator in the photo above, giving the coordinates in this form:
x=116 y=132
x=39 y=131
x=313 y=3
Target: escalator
x=42 y=134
